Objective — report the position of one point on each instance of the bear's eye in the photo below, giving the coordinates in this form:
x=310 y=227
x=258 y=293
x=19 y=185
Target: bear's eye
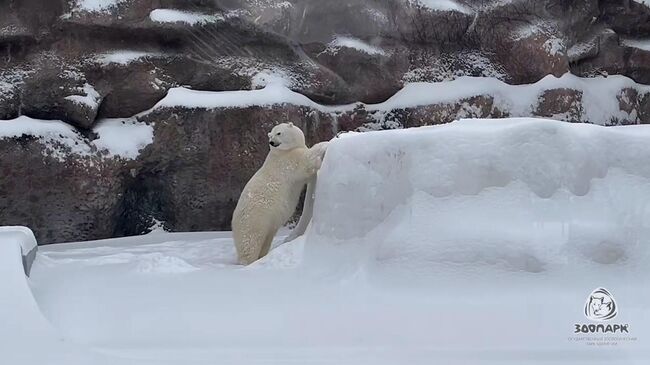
x=279 y=133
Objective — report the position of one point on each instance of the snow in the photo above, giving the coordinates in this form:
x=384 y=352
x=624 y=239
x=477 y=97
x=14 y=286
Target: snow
x=26 y=337
x=123 y=137
x=124 y=57
x=643 y=44
x=180 y=16
x=444 y=5
x=471 y=242
x=644 y=2
x=96 y=5
x=117 y=137
x=23 y=236
x=354 y=43
x=90 y=97
x=266 y=77
x=273 y=93
x=512 y=196
x=599 y=96
x=58 y=137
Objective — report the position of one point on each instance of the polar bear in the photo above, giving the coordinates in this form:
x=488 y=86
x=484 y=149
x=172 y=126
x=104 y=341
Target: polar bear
x=270 y=197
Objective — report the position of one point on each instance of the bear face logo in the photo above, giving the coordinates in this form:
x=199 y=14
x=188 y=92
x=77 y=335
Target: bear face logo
x=600 y=305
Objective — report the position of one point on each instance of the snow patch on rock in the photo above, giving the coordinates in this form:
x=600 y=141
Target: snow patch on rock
x=268 y=77
x=96 y=5
x=444 y=5
x=59 y=138
x=123 y=137
x=643 y=44
x=124 y=57
x=350 y=42
x=599 y=96
x=180 y=16
x=90 y=97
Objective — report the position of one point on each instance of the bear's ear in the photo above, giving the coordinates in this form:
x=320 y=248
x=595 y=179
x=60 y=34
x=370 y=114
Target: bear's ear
x=290 y=124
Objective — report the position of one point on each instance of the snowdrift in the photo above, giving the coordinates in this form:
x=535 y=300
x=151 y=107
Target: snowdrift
x=476 y=242
x=479 y=196
x=26 y=337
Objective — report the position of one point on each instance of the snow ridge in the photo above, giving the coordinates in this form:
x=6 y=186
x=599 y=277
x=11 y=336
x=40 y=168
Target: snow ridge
x=599 y=96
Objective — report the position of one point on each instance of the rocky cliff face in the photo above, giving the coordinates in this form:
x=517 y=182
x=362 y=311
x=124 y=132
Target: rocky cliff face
x=180 y=158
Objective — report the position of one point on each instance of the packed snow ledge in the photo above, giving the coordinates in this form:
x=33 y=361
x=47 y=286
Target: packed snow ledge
x=598 y=100
x=475 y=242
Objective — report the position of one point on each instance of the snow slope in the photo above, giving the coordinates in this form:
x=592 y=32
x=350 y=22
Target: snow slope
x=26 y=337
x=475 y=242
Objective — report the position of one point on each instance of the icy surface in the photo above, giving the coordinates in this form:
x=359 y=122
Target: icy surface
x=122 y=137
x=179 y=16
x=475 y=242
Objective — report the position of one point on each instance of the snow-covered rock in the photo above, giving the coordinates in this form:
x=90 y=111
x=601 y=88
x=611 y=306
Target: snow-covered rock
x=178 y=16
x=122 y=137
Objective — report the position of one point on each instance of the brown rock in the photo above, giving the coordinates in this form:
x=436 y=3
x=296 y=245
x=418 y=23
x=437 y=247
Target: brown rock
x=562 y=104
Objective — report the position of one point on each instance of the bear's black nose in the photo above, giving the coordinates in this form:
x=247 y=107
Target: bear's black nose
x=274 y=144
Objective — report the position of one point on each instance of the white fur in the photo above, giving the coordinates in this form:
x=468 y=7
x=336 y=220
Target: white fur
x=270 y=197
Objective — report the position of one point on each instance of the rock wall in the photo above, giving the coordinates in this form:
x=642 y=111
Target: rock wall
x=343 y=66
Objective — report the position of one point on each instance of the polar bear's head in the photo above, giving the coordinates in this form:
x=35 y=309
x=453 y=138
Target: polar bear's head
x=286 y=136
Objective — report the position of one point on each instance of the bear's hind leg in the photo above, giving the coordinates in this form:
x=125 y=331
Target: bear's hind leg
x=249 y=249
x=266 y=247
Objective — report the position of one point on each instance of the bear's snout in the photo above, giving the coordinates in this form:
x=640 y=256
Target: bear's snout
x=273 y=143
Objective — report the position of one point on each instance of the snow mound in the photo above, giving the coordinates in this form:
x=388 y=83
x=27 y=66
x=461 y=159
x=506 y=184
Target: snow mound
x=284 y=256
x=477 y=196
x=123 y=137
